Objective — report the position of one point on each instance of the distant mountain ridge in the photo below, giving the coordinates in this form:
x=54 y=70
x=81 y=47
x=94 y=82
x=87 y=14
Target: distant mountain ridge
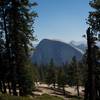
x=59 y=51
x=82 y=45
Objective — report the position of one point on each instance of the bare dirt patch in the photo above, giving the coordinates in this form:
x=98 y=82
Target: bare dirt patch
x=45 y=89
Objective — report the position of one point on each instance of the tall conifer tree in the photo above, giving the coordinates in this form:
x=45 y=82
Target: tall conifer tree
x=18 y=19
x=91 y=91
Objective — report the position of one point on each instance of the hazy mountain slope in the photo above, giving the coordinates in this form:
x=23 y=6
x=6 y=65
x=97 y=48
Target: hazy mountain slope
x=60 y=52
x=82 y=45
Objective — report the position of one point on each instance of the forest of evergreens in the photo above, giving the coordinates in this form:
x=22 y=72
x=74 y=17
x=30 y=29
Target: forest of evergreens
x=16 y=34
x=18 y=75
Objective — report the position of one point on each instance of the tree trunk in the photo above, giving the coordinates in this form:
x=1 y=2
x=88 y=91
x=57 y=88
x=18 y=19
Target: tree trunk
x=86 y=91
x=64 y=91
x=14 y=88
x=78 y=93
x=1 y=86
x=91 y=77
x=21 y=92
x=4 y=87
x=54 y=85
x=9 y=87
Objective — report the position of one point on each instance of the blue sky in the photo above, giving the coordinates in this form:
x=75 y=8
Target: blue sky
x=63 y=20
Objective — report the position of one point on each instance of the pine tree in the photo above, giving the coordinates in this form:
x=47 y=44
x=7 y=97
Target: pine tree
x=91 y=92
x=21 y=31
x=18 y=18
x=1 y=53
x=61 y=79
x=42 y=69
x=51 y=74
x=74 y=74
x=5 y=40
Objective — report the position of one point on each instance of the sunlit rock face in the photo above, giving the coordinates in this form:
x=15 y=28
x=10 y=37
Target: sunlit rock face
x=59 y=51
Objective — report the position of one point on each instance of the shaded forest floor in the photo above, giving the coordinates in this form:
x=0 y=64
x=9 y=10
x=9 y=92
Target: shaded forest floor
x=45 y=92
x=70 y=92
x=42 y=97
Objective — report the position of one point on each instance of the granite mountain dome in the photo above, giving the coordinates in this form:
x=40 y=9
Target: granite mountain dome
x=59 y=51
